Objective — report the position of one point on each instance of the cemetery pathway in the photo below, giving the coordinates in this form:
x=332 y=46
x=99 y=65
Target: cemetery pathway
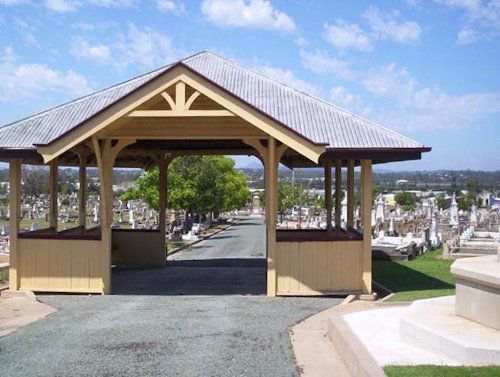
x=196 y=317
x=243 y=240
x=231 y=262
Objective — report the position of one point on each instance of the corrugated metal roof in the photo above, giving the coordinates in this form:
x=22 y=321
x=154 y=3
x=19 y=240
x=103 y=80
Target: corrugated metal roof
x=316 y=120
x=44 y=127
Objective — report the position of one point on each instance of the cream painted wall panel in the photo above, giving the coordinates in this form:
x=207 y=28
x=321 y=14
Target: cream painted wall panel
x=293 y=271
x=315 y=268
x=60 y=265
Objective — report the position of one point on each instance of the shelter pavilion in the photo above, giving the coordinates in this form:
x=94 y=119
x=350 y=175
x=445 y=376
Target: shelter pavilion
x=203 y=104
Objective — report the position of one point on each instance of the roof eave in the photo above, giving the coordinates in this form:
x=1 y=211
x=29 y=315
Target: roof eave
x=378 y=155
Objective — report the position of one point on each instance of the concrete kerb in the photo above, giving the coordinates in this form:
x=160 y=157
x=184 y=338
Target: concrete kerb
x=386 y=292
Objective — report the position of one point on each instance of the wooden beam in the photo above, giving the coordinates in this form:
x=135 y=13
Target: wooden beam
x=191 y=99
x=187 y=152
x=366 y=210
x=14 y=219
x=179 y=113
x=338 y=193
x=180 y=96
x=82 y=193
x=328 y=194
x=257 y=145
x=271 y=187
x=106 y=154
x=130 y=102
x=350 y=193
x=162 y=188
x=169 y=99
x=53 y=194
x=253 y=116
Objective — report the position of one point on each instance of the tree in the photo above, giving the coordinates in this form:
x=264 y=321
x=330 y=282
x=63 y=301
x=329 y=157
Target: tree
x=196 y=184
x=35 y=181
x=442 y=202
x=473 y=186
x=454 y=189
x=466 y=201
x=406 y=200
x=289 y=196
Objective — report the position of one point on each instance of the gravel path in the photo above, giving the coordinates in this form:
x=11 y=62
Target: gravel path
x=159 y=336
x=194 y=318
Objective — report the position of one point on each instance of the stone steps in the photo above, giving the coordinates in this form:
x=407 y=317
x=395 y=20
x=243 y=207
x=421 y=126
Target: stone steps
x=432 y=324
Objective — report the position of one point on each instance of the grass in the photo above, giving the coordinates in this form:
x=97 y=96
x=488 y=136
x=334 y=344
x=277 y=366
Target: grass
x=4 y=275
x=426 y=276
x=171 y=245
x=441 y=371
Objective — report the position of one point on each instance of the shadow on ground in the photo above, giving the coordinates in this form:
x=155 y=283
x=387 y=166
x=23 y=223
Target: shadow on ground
x=400 y=278
x=224 y=276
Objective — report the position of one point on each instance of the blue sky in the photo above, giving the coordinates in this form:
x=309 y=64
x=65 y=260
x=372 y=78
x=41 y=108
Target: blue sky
x=426 y=68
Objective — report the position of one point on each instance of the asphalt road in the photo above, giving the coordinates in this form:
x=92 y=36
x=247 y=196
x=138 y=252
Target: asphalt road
x=193 y=318
x=243 y=240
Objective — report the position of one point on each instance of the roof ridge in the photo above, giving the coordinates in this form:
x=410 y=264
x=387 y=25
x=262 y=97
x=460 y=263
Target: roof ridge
x=313 y=97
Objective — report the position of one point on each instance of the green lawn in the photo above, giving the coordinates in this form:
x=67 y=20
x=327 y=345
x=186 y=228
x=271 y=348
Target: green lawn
x=171 y=245
x=4 y=275
x=424 y=277
x=441 y=371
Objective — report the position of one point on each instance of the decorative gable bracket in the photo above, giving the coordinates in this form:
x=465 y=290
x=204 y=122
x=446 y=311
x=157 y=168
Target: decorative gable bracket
x=180 y=107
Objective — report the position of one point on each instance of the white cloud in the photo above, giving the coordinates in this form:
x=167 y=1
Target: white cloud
x=84 y=26
x=412 y=3
x=62 y=6
x=414 y=106
x=146 y=47
x=346 y=36
x=353 y=102
x=468 y=5
x=82 y=49
x=321 y=63
x=36 y=80
x=481 y=21
x=257 y=14
x=113 y=3
x=301 y=41
x=402 y=102
x=387 y=26
x=468 y=35
x=65 y=6
x=170 y=6
x=287 y=77
x=13 y=2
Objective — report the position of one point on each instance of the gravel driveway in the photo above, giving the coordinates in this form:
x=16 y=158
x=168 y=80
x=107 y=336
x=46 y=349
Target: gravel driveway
x=159 y=336
x=193 y=318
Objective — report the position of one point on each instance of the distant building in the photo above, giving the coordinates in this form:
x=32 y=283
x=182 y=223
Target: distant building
x=484 y=199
